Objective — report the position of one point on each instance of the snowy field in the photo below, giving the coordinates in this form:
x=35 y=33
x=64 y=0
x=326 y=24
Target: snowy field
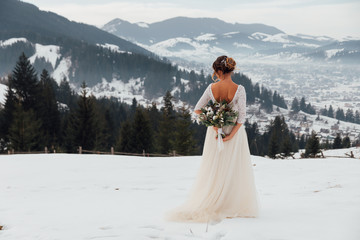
x=81 y=197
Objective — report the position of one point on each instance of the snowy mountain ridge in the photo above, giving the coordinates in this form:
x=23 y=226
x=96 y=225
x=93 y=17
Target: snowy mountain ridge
x=202 y=44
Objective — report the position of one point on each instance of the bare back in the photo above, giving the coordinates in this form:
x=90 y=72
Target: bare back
x=224 y=90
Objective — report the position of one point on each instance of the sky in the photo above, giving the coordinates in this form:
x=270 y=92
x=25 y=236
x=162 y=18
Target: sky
x=334 y=18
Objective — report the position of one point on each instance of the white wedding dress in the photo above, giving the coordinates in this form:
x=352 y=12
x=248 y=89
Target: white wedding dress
x=224 y=185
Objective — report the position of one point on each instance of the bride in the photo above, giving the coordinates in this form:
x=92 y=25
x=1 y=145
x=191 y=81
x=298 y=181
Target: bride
x=224 y=186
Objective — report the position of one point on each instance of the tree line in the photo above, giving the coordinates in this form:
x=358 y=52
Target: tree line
x=279 y=141
x=39 y=113
x=349 y=116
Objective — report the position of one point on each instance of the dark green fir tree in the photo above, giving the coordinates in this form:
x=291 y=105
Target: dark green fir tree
x=142 y=136
x=312 y=147
x=24 y=82
x=337 y=142
x=24 y=132
x=184 y=142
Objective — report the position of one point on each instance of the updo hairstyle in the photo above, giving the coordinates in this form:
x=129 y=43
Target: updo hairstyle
x=224 y=64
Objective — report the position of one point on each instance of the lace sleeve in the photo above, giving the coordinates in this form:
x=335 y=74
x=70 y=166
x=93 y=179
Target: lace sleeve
x=204 y=99
x=241 y=105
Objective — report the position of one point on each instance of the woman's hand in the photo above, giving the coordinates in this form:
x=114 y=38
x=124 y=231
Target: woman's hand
x=216 y=129
x=228 y=137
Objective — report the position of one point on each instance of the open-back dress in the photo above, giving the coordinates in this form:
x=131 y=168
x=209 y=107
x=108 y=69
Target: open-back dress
x=224 y=185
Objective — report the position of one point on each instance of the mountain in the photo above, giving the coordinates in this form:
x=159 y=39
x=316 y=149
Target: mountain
x=78 y=52
x=20 y=19
x=109 y=65
x=203 y=39
x=180 y=27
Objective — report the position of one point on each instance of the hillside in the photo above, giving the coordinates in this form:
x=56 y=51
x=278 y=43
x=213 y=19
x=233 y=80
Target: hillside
x=66 y=196
x=47 y=28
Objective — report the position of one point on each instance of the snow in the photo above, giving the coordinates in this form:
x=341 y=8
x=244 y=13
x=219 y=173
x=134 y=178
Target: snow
x=121 y=90
x=206 y=37
x=62 y=70
x=230 y=33
x=317 y=38
x=50 y=52
x=259 y=35
x=3 y=90
x=112 y=47
x=280 y=38
x=11 y=41
x=332 y=52
x=142 y=24
x=200 y=51
x=71 y=196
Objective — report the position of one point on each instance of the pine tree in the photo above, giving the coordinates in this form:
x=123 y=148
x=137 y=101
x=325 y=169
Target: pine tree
x=324 y=111
x=337 y=142
x=154 y=116
x=184 y=142
x=48 y=110
x=330 y=112
x=83 y=126
x=312 y=145
x=303 y=104
x=349 y=117
x=24 y=82
x=302 y=142
x=104 y=137
x=7 y=113
x=346 y=142
x=357 y=117
x=165 y=135
x=257 y=90
x=24 y=132
x=125 y=140
x=286 y=147
x=340 y=114
x=295 y=105
x=273 y=146
x=141 y=132
x=177 y=78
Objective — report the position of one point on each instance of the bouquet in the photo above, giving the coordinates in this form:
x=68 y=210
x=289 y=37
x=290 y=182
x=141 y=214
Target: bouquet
x=218 y=114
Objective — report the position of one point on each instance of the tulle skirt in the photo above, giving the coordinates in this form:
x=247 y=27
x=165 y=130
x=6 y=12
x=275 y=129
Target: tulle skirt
x=224 y=185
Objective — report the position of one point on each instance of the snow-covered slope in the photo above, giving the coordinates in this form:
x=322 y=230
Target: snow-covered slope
x=50 y=53
x=11 y=41
x=3 y=89
x=68 y=196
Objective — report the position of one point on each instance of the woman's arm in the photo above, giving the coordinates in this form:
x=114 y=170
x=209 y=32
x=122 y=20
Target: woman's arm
x=233 y=131
x=202 y=101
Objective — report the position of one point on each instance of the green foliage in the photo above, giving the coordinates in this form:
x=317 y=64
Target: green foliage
x=125 y=139
x=273 y=145
x=24 y=132
x=141 y=132
x=312 y=146
x=165 y=136
x=24 y=82
x=82 y=125
x=295 y=105
x=48 y=110
x=184 y=142
x=337 y=142
x=346 y=142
